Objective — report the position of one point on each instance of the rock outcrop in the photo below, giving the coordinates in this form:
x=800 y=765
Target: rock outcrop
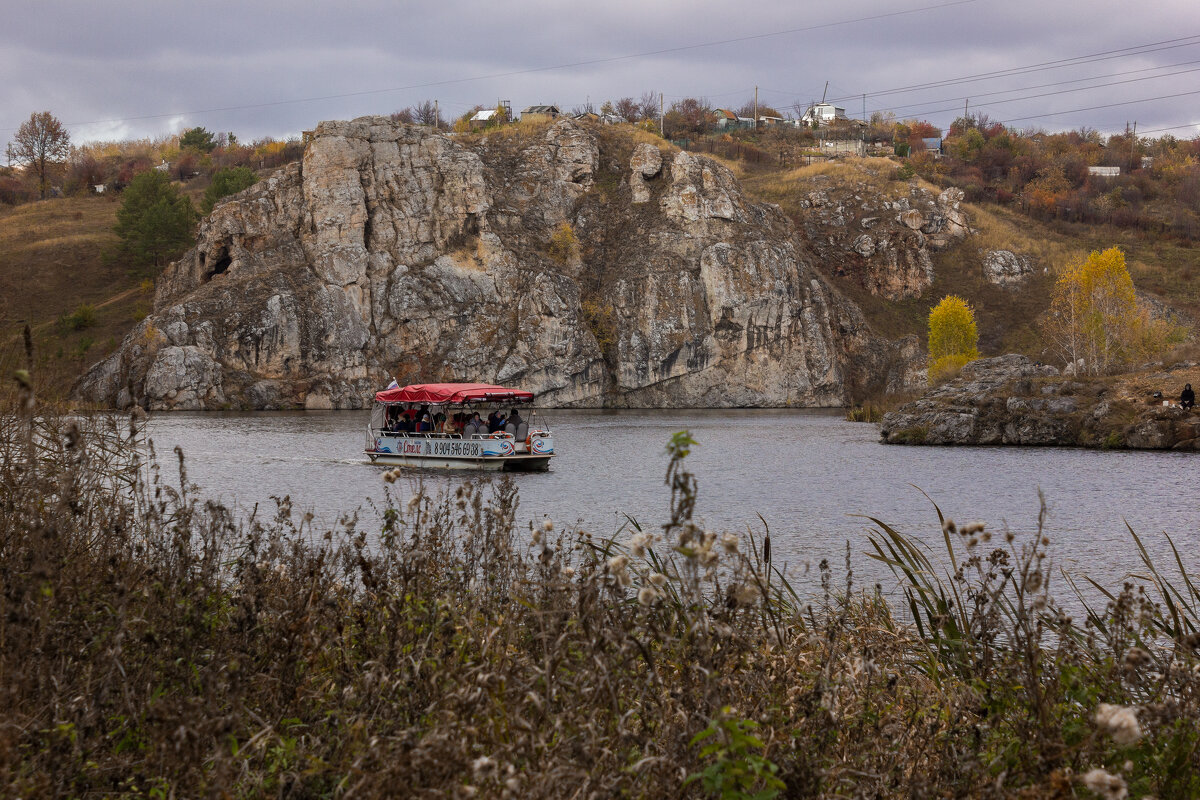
x=885 y=237
x=1006 y=269
x=1012 y=400
x=392 y=251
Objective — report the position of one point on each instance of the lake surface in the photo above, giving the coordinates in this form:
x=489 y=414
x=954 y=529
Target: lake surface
x=807 y=472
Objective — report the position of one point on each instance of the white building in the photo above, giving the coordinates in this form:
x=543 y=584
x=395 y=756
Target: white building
x=823 y=113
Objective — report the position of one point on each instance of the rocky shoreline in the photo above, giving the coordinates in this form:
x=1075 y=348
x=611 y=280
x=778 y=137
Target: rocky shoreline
x=1012 y=400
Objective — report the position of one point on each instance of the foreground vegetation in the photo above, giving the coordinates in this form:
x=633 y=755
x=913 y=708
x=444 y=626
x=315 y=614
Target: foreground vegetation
x=156 y=646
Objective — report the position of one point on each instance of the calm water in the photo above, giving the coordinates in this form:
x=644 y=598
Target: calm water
x=808 y=473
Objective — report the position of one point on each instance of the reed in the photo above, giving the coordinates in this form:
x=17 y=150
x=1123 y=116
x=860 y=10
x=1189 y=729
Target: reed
x=154 y=645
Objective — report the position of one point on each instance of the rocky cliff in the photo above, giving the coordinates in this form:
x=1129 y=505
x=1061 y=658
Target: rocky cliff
x=1013 y=400
x=887 y=237
x=570 y=261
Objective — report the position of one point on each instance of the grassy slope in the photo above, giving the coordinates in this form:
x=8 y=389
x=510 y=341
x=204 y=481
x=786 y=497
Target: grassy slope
x=1007 y=319
x=52 y=261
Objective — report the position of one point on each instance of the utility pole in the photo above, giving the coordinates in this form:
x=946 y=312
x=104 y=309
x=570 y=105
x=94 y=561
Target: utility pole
x=966 y=105
x=437 y=116
x=1132 y=145
x=755 y=108
x=661 y=127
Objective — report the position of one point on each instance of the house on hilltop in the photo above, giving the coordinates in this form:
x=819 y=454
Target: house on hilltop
x=823 y=114
x=486 y=118
x=540 y=112
x=726 y=119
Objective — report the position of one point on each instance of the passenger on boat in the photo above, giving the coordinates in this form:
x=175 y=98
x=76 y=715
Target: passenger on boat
x=514 y=422
x=496 y=422
x=475 y=426
x=394 y=423
x=425 y=425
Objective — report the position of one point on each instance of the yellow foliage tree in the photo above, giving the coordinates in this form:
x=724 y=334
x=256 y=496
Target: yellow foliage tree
x=953 y=337
x=563 y=244
x=1095 y=316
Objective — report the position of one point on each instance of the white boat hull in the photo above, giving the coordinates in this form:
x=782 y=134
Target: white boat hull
x=442 y=452
x=513 y=463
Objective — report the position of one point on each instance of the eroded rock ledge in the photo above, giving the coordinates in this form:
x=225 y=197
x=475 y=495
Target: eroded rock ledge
x=1013 y=400
x=394 y=251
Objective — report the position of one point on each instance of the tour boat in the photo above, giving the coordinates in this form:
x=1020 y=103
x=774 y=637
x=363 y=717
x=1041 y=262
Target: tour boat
x=525 y=444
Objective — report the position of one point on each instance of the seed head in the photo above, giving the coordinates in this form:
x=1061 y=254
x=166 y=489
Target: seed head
x=637 y=545
x=547 y=524
x=1120 y=722
x=658 y=579
x=730 y=542
x=948 y=526
x=1105 y=785
x=647 y=595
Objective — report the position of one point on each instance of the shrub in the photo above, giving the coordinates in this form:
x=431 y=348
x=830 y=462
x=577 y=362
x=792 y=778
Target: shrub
x=564 y=247
x=226 y=182
x=81 y=318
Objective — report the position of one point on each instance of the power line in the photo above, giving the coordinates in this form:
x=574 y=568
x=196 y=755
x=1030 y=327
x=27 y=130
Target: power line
x=1106 y=105
x=1035 y=96
x=973 y=96
x=530 y=70
x=1105 y=55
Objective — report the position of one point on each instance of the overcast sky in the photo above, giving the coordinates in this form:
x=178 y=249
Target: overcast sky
x=122 y=69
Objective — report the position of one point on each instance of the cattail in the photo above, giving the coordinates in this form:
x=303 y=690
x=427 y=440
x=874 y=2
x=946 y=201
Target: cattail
x=767 y=549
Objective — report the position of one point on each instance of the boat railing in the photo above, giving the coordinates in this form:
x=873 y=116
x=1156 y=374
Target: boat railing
x=373 y=432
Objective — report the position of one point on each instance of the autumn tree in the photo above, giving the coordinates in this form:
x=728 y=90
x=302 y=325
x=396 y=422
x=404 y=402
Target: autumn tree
x=953 y=337
x=628 y=108
x=40 y=143
x=1095 y=316
x=155 y=221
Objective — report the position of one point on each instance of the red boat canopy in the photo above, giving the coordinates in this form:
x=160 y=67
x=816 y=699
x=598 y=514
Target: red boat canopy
x=452 y=394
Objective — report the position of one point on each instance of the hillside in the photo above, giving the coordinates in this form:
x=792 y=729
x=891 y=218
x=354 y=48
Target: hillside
x=1163 y=269
x=52 y=270
x=52 y=257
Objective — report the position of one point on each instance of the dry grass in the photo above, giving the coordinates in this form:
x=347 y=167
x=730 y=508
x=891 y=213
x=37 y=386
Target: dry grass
x=52 y=262
x=156 y=646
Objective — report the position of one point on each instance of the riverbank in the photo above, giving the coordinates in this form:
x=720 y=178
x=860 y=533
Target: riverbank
x=1013 y=400
x=158 y=645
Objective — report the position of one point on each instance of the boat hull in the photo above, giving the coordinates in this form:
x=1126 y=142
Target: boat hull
x=513 y=463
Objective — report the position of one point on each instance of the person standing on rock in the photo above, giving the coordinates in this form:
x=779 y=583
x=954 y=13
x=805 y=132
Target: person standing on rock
x=1187 y=398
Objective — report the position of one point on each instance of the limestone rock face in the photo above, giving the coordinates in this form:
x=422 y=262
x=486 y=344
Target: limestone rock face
x=645 y=164
x=393 y=251
x=893 y=260
x=1007 y=269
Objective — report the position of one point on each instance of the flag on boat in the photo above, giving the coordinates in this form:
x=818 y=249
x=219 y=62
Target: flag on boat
x=393 y=385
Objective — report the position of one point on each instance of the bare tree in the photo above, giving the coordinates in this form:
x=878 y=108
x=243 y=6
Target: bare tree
x=648 y=108
x=628 y=108
x=40 y=142
x=427 y=113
